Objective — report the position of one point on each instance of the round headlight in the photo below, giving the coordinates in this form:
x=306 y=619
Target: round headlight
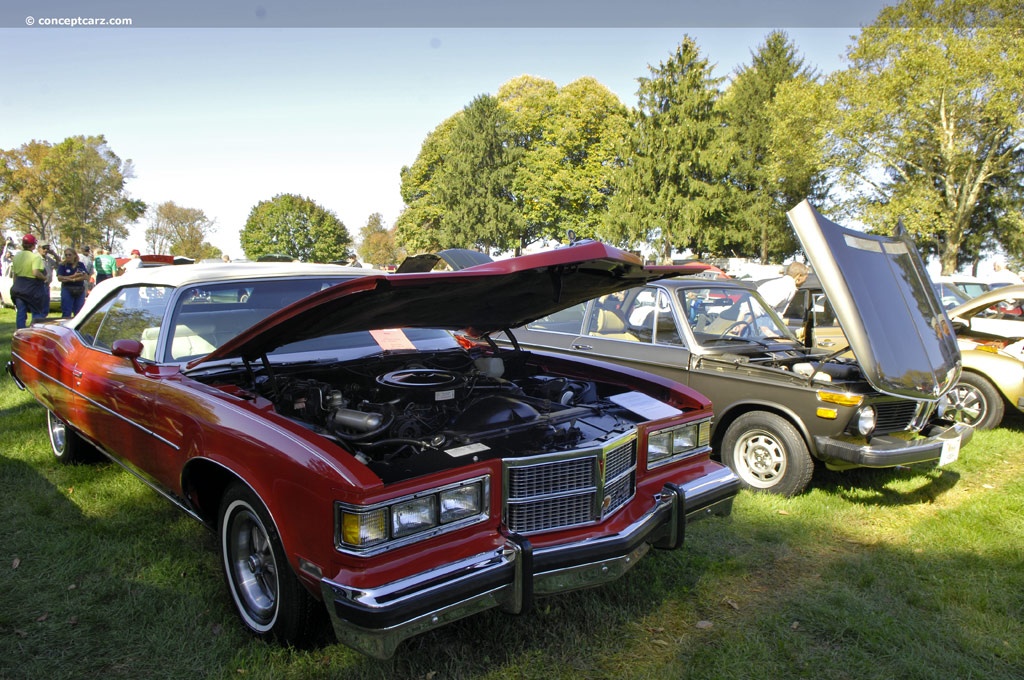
x=866 y=420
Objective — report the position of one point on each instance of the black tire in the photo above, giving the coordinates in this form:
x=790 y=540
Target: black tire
x=767 y=453
x=271 y=601
x=67 y=445
x=975 y=401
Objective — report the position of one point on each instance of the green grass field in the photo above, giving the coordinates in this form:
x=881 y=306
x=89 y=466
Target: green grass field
x=906 y=573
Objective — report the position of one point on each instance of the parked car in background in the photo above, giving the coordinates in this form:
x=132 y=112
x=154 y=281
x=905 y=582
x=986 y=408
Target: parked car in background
x=949 y=295
x=971 y=286
x=992 y=345
x=361 y=464
x=778 y=404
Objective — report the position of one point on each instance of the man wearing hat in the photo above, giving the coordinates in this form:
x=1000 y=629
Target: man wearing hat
x=29 y=290
x=132 y=263
x=49 y=259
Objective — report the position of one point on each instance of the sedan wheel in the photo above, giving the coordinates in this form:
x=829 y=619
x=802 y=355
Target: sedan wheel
x=767 y=454
x=975 y=401
x=67 y=445
x=267 y=595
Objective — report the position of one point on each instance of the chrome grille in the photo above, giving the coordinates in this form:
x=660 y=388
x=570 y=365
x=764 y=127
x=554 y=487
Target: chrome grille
x=568 y=489
x=894 y=416
x=551 y=478
x=620 y=459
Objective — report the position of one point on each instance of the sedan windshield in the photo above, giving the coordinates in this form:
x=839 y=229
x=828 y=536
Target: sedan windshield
x=723 y=314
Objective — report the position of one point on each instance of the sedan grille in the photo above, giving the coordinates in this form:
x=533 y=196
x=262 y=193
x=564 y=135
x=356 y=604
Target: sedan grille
x=894 y=416
x=570 y=489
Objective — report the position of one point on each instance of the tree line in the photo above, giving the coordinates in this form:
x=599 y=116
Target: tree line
x=924 y=126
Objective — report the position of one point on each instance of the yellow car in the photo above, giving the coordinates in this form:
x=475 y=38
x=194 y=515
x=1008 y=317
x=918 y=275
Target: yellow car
x=990 y=333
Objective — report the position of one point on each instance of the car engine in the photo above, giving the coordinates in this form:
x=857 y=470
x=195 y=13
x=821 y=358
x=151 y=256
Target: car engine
x=415 y=416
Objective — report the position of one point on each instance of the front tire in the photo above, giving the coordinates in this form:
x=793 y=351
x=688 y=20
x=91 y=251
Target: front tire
x=268 y=596
x=975 y=401
x=67 y=445
x=767 y=453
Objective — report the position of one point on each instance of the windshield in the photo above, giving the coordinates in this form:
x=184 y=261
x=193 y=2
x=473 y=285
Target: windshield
x=208 y=315
x=728 y=314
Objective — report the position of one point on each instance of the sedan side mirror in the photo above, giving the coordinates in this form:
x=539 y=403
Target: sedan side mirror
x=129 y=349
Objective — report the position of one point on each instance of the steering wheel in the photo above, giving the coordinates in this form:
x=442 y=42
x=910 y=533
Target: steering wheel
x=742 y=329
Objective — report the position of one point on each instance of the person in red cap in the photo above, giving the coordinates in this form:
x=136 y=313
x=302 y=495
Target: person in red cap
x=132 y=263
x=29 y=290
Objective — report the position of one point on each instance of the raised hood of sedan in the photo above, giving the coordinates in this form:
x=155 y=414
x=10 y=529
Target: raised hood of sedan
x=481 y=299
x=885 y=303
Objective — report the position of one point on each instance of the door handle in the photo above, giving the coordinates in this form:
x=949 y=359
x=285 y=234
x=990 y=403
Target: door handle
x=582 y=347
x=826 y=343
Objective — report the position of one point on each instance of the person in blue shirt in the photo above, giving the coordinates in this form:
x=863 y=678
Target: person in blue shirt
x=73 y=276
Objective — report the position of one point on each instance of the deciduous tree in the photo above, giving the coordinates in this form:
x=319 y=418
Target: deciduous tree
x=571 y=138
x=926 y=124
x=73 y=193
x=418 y=228
x=292 y=225
x=377 y=244
x=177 y=230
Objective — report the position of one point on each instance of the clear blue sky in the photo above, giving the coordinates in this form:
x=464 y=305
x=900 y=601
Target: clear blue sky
x=220 y=118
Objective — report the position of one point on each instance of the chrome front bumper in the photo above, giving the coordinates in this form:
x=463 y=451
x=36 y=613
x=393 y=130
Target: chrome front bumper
x=885 y=451
x=374 y=621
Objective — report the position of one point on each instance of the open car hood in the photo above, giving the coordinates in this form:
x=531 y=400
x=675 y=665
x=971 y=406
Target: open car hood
x=480 y=299
x=885 y=304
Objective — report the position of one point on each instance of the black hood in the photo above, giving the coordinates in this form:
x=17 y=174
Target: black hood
x=885 y=303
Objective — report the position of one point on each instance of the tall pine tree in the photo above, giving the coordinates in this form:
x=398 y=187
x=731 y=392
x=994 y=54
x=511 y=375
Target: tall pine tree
x=672 y=189
x=766 y=188
x=474 y=184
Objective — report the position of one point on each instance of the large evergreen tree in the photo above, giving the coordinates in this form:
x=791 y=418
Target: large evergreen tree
x=767 y=188
x=672 y=190
x=474 y=185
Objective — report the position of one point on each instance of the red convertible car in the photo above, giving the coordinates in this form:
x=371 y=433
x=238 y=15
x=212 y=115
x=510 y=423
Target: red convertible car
x=358 y=461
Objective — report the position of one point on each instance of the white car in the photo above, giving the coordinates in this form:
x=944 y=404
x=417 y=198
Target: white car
x=971 y=286
x=5 y=293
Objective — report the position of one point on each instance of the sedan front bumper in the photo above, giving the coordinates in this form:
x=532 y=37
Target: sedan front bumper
x=374 y=621
x=938 y=439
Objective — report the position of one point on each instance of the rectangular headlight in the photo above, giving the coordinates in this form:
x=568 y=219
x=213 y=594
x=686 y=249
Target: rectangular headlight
x=413 y=516
x=368 y=530
x=460 y=502
x=667 y=445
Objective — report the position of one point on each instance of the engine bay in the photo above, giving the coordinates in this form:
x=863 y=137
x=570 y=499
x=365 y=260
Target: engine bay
x=404 y=416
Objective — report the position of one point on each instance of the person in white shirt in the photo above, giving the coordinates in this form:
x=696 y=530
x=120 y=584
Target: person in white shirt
x=132 y=263
x=1000 y=274
x=778 y=292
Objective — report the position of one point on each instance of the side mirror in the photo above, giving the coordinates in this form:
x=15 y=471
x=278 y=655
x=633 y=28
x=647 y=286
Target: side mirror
x=129 y=349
